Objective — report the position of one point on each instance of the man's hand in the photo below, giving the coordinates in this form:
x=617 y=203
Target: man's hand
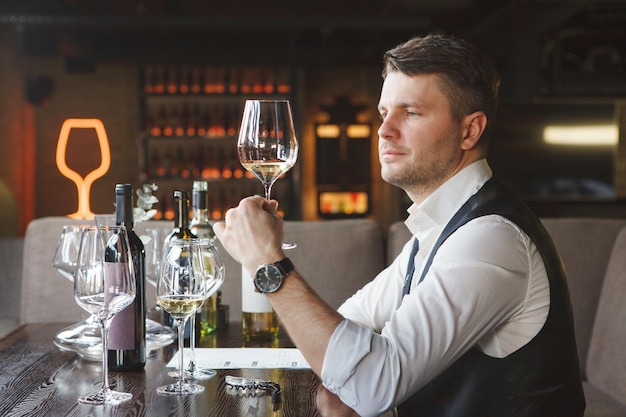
x=252 y=232
x=329 y=405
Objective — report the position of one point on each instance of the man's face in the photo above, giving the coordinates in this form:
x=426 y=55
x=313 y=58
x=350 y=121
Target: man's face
x=419 y=142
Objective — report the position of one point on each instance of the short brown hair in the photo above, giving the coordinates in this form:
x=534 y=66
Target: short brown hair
x=469 y=78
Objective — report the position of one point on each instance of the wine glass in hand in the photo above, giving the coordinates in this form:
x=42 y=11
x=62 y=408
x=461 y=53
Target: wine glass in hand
x=181 y=290
x=104 y=285
x=267 y=144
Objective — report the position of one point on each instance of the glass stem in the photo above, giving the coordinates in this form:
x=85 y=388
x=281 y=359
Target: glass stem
x=181 y=347
x=192 y=343
x=268 y=190
x=104 y=330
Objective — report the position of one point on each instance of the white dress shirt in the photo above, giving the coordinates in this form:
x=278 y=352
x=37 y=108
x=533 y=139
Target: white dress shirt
x=487 y=288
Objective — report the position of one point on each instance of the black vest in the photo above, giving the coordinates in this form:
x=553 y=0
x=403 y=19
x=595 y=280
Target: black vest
x=542 y=378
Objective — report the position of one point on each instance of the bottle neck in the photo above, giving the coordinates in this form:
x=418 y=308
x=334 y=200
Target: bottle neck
x=124 y=210
x=200 y=216
x=181 y=220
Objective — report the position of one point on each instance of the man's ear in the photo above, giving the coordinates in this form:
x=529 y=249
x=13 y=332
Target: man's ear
x=474 y=125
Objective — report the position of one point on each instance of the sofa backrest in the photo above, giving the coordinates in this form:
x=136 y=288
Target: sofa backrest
x=606 y=363
x=336 y=257
x=46 y=295
x=11 y=255
x=586 y=265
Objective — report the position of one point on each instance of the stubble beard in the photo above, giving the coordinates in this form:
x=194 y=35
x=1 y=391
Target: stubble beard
x=423 y=176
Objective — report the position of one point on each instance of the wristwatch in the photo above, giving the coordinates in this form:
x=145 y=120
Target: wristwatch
x=270 y=277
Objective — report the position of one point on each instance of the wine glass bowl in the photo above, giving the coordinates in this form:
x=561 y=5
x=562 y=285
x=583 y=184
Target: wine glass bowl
x=267 y=145
x=66 y=252
x=104 y=285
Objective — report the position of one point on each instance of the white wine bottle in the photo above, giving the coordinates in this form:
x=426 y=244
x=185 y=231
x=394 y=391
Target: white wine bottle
x=201 y=227
x=258 y=321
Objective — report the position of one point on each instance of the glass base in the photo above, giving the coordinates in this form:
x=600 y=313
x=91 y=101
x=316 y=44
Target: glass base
x=180 y=389
x=106 y=396
x=84 y=338
x=194 y=372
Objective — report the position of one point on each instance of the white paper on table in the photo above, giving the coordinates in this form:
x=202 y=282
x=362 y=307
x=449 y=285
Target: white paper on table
x=236 y=358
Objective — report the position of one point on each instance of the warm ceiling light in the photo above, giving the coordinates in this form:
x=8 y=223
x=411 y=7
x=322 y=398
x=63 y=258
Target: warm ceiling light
x=330 y=131
x=83 y=185
x=588 y=135
x=358 y=131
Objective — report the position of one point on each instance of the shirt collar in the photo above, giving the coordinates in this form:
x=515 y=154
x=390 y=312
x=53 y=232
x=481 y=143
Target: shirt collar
x=439 y=207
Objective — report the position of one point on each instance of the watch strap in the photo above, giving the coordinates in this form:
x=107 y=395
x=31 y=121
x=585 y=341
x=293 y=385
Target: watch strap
x=285 y=265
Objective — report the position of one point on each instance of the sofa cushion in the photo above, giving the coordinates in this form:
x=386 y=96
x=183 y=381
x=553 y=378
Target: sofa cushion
x=46 y=295
x=606 y=365
x=601 y=404
x=396 y=238
x=336 y=257
x=11 y=253
x=585 y=268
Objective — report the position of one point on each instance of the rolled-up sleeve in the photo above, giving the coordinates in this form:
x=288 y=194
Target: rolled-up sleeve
x=357 y=345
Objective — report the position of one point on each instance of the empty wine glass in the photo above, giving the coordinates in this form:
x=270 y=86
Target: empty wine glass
x=66 y=252
x=153 y=238
x=267 y=144
x=104 y=285
x=214 y=270
x=181 y=290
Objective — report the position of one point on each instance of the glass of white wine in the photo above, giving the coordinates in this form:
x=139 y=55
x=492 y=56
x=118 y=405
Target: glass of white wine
x=181 y=290
x=267 y=144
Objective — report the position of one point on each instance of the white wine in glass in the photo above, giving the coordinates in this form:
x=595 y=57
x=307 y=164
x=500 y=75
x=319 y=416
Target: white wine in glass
x=181 y=290
x=267 y=144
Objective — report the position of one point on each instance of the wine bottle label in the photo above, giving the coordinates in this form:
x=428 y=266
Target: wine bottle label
x=122 y=330
x=251 y=300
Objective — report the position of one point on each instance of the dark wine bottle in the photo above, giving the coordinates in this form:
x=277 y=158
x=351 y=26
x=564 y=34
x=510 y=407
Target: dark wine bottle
x=181 y=231
x=127 y=334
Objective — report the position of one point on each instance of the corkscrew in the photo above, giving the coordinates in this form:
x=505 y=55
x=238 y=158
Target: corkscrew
x=253 y=387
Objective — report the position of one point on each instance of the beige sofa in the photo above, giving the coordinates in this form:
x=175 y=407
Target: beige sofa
x=339 y=256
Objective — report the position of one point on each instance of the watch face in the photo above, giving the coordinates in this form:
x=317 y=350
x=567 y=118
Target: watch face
x=268 y=278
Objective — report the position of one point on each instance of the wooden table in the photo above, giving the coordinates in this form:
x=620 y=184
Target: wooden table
x=38 y=379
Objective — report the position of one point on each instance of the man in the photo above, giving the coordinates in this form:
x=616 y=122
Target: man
x=473 y=318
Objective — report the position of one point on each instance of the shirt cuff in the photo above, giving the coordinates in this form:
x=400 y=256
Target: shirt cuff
x=348 y=345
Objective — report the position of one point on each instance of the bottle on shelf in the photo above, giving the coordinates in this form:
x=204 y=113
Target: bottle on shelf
x=149 y=80
x=202 y=228
x=172 y=80
x=196 y=80
x=127 y=334
x=183 y=80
